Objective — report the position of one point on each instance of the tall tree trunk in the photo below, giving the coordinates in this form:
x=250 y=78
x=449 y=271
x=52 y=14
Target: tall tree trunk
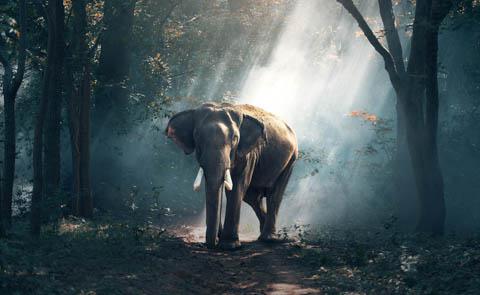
x=79 y=91
x=9 y=156
x=110 y=112
x=405 y=196
x=11 y=84
x=433 y=218
x=85 y=204
x=79 y=124
x=38 y=190
x=2 y=222
x=51 y=91
x=111 y=99
x=52 y=122
x=417 y=99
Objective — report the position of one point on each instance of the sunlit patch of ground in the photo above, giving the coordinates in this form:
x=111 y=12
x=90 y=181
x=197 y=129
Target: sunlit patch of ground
x=192 y=230
x=196 y=233
x=282 y=288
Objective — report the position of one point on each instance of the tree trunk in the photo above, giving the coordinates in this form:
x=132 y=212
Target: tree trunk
x=2 y=222
x=52 y=122
x=433 y=218
x=79 y=118
x=431 y=202
x=404 y=194
x=9 y=156
x=86 y=202
x=79 y=90
x=10 y=89
x=51 y=91
x=37 y=193
x=417 y=98
x=110 y=111
x=111 y=99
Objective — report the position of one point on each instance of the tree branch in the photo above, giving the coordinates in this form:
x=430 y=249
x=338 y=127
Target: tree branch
x=387 y=58
x=7 y=69
x=391 y=34
x=22 y=50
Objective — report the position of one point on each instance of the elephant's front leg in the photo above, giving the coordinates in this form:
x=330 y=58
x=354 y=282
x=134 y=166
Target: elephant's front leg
x=241 y=178
x=229 y=239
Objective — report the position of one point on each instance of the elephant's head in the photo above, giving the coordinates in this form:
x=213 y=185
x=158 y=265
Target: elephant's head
x=219 y=135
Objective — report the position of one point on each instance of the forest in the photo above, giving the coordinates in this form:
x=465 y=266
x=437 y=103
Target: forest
x=380 y=106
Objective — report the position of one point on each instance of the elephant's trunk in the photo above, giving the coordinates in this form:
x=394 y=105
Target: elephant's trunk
x=215 y=167
x=216 y=181
x=213 y=204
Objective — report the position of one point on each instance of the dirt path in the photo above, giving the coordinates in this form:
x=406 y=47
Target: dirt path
x=254 y=269
x=126 y=258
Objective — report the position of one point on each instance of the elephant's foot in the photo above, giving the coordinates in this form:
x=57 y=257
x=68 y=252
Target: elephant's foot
x=211 y=244
x=270 y=238
x=229 y=245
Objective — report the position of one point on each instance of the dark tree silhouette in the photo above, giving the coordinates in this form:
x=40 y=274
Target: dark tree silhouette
x=111 y=99
x=417 y=97
x=11 y=84
x=78 y=91
x=48 y=117
x=53 y=116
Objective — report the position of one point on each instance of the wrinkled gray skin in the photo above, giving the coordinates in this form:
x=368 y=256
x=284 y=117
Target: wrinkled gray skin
x=257 y=147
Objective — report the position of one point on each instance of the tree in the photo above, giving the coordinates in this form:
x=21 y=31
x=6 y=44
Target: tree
x=54 y=105
x=78 y=89
x=11 y=84
x=111 y=100
x=48 y=116
x=417 y=97
x=112 y=92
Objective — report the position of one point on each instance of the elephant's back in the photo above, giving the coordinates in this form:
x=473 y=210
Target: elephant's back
x=280 y=148
x=256 y=112
x=275 y=125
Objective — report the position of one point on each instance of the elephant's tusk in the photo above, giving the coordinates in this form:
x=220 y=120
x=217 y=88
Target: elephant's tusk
x=228 y=180
x=198 y=180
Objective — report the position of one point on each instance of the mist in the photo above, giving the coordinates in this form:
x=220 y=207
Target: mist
x=310 y=65
x=384 y=194
x=314 y=69
x=314 y=75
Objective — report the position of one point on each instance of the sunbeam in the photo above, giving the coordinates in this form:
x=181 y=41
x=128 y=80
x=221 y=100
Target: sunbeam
x=318 y=72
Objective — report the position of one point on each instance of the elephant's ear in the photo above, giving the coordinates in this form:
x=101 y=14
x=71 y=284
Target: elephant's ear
x=180 y=130
x=252 y=134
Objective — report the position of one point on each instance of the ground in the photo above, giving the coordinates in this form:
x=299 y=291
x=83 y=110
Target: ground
x=112 y=257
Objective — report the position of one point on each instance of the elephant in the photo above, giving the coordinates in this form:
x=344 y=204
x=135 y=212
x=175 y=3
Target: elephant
x=243 y=151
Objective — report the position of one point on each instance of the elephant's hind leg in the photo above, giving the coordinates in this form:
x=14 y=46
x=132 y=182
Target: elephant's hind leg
x=253 y=197
x=274 y=199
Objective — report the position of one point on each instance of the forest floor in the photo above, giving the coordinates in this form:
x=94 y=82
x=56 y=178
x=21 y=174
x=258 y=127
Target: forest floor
x=115 y=256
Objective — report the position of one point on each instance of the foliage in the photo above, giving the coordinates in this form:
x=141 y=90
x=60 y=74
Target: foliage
x=387 y=262
x=45 y=266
